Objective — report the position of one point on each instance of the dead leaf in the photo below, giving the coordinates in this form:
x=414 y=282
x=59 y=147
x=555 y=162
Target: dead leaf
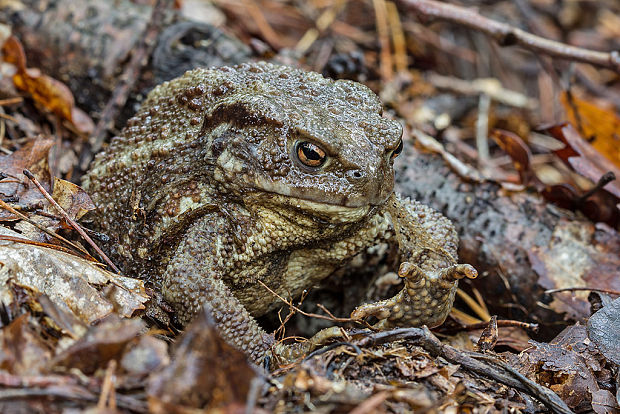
x=604 y=330
x=72 y=198
x=597 y=205
x=206 y=372
x=568 y=365
x=604 y=402
x=24 y=352
x=69 y=281
x=488 y=338
x=14 y=53
x=101 y=343
x=34 y=157
x=584 y=158
x=594 y=262
x=518 y=151
x=52 y=94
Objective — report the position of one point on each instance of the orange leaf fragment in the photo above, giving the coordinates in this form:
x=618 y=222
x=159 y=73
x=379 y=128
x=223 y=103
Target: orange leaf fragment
x=599 y=126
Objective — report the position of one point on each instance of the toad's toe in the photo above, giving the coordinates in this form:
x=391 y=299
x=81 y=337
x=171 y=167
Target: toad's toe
x=426 y=298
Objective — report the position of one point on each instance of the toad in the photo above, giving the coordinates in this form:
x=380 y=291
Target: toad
x=234 y=179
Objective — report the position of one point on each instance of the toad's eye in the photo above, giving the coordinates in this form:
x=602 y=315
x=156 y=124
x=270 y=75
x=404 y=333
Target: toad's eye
x=398 y=150
x=310 y=155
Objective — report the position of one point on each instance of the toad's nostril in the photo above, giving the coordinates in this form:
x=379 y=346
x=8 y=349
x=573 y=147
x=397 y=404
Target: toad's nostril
x=355 y=174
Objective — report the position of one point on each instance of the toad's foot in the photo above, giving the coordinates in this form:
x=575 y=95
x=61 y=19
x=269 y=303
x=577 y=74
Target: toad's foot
x=426 y=298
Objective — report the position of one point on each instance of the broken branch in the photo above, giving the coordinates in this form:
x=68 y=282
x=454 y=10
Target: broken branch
x=506 y=35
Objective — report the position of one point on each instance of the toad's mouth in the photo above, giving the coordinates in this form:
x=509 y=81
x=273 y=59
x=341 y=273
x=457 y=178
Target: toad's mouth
x=333 y=213
x=315 y=199
x=335 y=209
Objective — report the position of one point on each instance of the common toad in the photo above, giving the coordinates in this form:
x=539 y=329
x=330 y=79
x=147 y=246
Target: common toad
x=232 y=177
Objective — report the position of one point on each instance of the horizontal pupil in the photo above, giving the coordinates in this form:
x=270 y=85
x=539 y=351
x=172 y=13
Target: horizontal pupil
x=311 y=154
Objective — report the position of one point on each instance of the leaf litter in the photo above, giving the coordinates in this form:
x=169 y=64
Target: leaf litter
x=72 y=332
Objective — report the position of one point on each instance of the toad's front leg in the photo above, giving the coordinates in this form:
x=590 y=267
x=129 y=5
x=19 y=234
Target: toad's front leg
x=427 y=244
x=194 y=276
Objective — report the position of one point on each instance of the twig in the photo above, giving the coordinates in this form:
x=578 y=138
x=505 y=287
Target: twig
x=126 y=82
x=70 y=220
x=502 y=323
x=9 y=117
x=489 y=86
x=11 y=101
x=312 y=315
x=482 y=130
x=398 y=38
x=43 y=229
x=492 y=368
x=107 y=397
x=575 y=289
x=506 y=35
x=381 y=19
x=29 y=242
x=263 y=25
x=329 y=347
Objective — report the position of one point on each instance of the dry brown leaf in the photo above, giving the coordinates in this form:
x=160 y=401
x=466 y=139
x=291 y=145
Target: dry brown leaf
x=102 y=342
x=52 y=94
x=583 y=157
x=69 y=281
x=206 y=372
x=518 y=151
x=569 y=365
x=596 y=264
x=34 y=157
x=604 y=330
x=72 y=198
x=24 y=352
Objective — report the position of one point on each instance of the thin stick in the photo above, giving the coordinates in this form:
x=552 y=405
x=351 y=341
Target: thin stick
x=506 y=35
x=56 y=247
x=385 y=61
x=71 y=221
x=575 y=289
x=9 y=117
x=312 y=315
x=107 y=398
x=398 y=37
x=501 y=323
x=43 y=229
x=11 y=101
